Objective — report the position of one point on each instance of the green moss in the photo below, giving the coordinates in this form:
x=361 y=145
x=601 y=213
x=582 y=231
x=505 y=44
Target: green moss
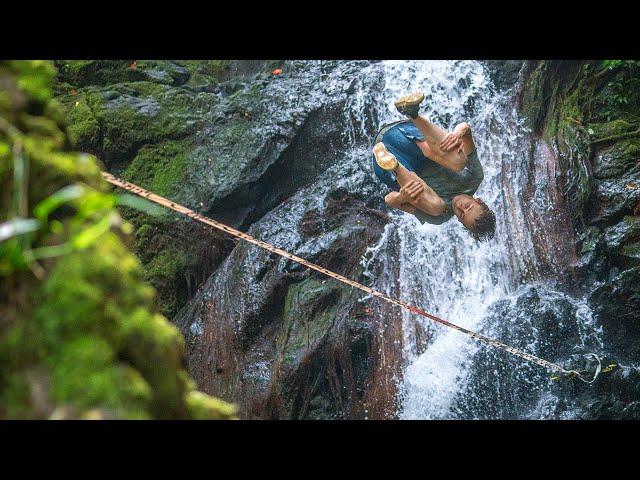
x=205 y=72
x=316 y=302
x=204 y=407
x=618 y=159
x=143 y=124
x=214 y=68
x=610 y=129
x=618 y=92
x=160 y=168
x=96 y=72
x=589 y=112
x=34 y=78
x=114 y=121
x=108 y=281
x=632 y=251
x=164 y=271
x=560 y=100
x=84 y=128
x=79 y=336
x=84 y=374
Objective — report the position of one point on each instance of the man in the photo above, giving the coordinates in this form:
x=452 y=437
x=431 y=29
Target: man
x=432 y=174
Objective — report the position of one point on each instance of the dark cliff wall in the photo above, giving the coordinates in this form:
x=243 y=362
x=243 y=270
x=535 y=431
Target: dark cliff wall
x=161 y=124
x=587 y=114
x=247 y=143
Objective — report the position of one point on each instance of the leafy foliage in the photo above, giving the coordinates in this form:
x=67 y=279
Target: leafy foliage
x=623 y=88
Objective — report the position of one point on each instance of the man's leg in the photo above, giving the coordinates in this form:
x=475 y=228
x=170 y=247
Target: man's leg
x=427 y=201
x=433 y=135
x=409 y=105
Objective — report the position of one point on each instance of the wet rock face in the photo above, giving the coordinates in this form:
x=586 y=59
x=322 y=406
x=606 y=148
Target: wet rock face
x=285 y=342
x=537 y=320
x=303 y=155
x=614 y=396
x=266 y=333
x=262 y=152
x=551 y=325
x=503 y=73
x=547 y=215
x=589 y=119
x=229 y=139
x=617 y=303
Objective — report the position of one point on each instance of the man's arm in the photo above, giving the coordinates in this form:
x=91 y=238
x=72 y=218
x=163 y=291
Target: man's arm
x=416 y=195
x=398 y=200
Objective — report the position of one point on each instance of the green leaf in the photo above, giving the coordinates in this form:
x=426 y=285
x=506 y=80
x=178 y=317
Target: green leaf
x=11 y=257
x=48 y=252
x=56 y=227
x=94 y=202
x=52 y=202
x=18 y=226
x=87 y=237
x=139 y=203
x=20 y=183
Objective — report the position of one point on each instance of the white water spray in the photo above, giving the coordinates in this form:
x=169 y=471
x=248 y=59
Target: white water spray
x=442 y=268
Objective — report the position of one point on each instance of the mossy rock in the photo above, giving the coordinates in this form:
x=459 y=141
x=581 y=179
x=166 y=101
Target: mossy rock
x=310 y=310
x=104 y=72
x=623 y=240
x=618 y=197
x=588 y=112
x=205 y=74
x=161 y=168
x=613 y=128
x=79 y=337
x=143 y=124
x=617 y=160
x=617 y=305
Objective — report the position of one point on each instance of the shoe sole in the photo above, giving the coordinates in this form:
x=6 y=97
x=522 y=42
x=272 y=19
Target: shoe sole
x=385 y=159
x=411 y=99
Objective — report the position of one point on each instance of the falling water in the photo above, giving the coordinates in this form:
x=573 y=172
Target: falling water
x=506 y=288
x=441 y=267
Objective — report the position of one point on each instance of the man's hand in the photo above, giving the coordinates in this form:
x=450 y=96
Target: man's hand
x=451 y=141
x=454 y=139
x=413 y=189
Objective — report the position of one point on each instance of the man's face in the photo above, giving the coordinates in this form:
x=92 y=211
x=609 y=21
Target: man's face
x=467 y=209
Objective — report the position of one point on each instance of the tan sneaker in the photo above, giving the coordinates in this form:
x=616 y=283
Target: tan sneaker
x=384 y=158
x=409 y=105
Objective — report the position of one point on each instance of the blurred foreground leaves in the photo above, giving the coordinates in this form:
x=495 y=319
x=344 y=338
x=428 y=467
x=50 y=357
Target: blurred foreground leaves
x=79 y=337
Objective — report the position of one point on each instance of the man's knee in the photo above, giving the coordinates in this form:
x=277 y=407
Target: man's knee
x=391 y=199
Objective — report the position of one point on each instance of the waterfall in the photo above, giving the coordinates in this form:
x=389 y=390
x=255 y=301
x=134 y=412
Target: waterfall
x=512 y=288
x=443 y=270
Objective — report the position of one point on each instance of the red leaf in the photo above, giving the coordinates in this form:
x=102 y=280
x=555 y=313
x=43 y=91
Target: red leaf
x=277 y=71
x=134 y=65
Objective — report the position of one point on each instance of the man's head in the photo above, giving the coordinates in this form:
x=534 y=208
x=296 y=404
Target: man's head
x=476 y=217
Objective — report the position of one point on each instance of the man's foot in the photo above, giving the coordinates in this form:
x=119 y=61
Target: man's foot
x=410 y=104
x=384 y=158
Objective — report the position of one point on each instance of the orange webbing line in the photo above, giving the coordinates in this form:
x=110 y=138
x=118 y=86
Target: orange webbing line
x=248 y=238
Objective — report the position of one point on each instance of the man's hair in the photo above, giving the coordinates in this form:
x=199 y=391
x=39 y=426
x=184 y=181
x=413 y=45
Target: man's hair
x=484 y=228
